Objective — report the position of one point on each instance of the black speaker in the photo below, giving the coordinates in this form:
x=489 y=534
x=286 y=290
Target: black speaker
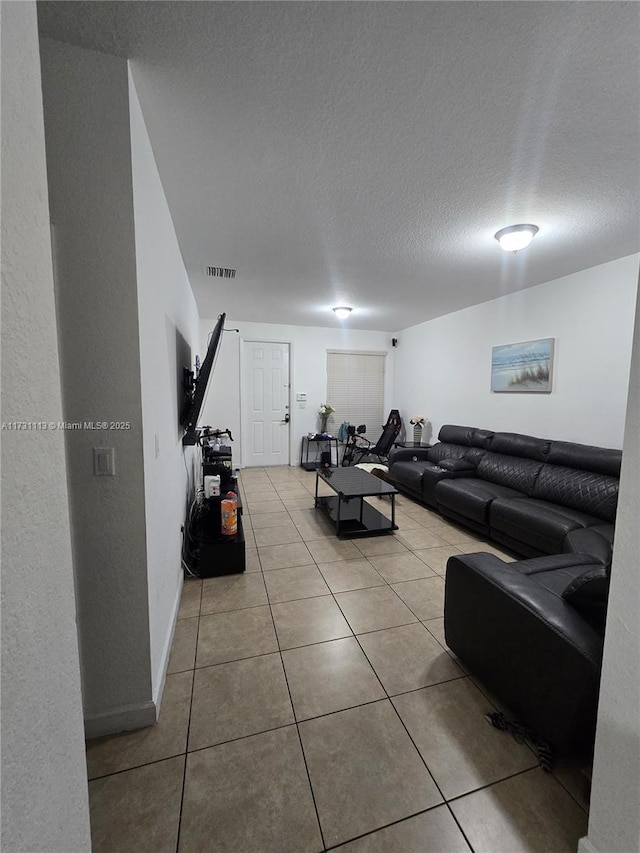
x=325 y=459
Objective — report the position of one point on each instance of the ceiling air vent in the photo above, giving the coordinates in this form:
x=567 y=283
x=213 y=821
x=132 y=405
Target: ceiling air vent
x=221 y=272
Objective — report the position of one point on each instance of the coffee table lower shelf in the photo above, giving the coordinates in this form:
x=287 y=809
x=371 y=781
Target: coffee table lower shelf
x=355 y=517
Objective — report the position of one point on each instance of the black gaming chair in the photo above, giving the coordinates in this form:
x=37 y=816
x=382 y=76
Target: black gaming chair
x=355 y=452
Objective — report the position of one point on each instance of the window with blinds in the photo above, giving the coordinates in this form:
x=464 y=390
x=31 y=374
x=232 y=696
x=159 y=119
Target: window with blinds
x=355 y=388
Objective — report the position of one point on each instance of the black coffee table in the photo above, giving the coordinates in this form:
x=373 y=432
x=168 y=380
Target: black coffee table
x=352 y=515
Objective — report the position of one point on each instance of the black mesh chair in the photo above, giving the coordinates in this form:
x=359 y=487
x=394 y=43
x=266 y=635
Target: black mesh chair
x=380 y=450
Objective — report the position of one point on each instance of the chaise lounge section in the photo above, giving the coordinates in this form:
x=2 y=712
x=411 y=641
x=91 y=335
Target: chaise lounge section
x=532 y=630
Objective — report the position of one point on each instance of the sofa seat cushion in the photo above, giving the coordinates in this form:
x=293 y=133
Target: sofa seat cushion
x=539 y=524
x=470 y=498
x=409 y=474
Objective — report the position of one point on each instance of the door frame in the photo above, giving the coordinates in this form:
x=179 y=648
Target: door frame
x=253 y=339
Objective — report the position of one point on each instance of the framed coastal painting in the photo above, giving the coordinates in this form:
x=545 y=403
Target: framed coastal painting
x=523 y=368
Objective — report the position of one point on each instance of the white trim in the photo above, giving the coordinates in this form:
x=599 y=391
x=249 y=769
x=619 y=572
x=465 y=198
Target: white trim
x=585 y=846
x=121 y=719
x=166 y=652
x=243 y=431
x=261 y=340
x=293 y=457
x=360 y=351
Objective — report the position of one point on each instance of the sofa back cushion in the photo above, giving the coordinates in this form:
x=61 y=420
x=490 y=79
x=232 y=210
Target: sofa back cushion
x=443 y=450
x=466 y=436
x=511 y=471
x=602 y=460
x=515 y=444
x=482 y=438
x=594 y=494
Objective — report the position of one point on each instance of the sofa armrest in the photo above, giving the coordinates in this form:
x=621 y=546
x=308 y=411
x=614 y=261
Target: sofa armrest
x=595 y=541
x=457 y=467
x=408 y=454
x=536 y=565
x=531 y=648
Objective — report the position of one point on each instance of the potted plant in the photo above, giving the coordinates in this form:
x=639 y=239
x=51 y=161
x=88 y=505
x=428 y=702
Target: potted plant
x=418 y=422
x=324 y=411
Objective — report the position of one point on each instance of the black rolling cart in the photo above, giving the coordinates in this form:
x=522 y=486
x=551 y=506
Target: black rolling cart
x=320 y=446
x=208 y=552
x=219 y=554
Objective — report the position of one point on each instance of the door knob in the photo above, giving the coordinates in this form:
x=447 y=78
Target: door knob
x=286 y=419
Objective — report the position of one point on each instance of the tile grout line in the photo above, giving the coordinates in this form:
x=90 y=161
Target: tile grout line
x=136 y=766
x=186 y=745
x=295 y=718
x=387 y=826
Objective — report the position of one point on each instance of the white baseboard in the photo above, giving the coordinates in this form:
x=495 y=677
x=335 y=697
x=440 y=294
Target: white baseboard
x=166 y=652
x=585 y=846
x=131 y=717
x=121 y=719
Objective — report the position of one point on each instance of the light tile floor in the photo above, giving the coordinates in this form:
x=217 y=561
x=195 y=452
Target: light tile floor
x=311 y=704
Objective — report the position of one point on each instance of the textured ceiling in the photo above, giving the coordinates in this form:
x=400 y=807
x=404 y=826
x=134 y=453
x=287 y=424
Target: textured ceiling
x=364 y=153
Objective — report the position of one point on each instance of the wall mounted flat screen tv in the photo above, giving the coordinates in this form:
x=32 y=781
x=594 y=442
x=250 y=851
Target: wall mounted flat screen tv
x=195 y=386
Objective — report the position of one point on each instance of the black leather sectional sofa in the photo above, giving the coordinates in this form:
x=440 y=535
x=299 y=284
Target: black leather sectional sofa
x=532 y=495
x=533 y=629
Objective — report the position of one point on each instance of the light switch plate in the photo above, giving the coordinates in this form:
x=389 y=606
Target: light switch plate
x=103 y=462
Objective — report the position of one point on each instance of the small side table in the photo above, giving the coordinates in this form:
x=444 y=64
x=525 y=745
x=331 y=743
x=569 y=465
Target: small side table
x=318 y=440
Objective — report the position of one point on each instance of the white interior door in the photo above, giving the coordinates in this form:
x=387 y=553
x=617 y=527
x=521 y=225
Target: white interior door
x=265 y=403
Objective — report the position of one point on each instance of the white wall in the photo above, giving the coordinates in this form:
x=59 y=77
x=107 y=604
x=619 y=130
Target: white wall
x=614 y=817
x=443 y=366
x=308 y=373
x=86 y=108
x=44 y=777
x=169 y=336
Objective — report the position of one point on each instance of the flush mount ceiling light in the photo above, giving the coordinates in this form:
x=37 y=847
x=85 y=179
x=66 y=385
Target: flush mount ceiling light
x=516 y=237
x=342 y=312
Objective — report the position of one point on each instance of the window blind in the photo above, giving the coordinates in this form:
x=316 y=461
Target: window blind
x=355 y=388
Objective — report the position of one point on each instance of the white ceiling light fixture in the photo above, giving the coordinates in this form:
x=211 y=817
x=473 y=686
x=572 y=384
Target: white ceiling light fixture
x=342 y=312
x=516 y=237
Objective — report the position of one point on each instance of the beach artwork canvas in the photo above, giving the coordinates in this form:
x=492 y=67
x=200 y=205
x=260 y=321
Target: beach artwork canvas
x=523 y=367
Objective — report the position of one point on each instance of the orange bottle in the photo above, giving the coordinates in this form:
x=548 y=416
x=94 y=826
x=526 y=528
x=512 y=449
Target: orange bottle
x=229 y=514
